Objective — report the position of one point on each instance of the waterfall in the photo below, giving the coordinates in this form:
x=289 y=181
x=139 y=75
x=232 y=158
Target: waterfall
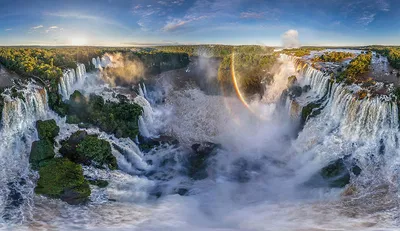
x=146 y=121
x=70 y=79
x=17 y=134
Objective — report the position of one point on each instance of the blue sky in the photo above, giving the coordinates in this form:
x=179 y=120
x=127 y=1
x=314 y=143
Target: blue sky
x=147 y=22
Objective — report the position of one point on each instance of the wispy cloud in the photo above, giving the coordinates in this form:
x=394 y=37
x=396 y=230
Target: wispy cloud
x=52 y=28
x=8 y=29
x=76 y=15
x=366 y=19
x=36 y=27
x=175 y=24
x=252 y=15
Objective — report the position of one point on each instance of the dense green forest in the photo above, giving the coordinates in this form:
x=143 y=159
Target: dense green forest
x=300 y=52
x=219 y=51
x=333 y=56
x=356 y=67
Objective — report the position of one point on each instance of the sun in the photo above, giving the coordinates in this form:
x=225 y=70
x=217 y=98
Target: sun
x=78 y=41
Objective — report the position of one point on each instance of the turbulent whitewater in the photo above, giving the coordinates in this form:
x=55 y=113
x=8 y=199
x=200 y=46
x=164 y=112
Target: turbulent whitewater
x=258 y=180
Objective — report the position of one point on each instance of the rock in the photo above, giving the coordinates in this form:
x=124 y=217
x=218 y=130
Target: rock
x=14 y=199
x=68 y=148
x=295 y=91
x=99 y=183
x=47 y=129
x=63 y=179
x=197 y=161
x=96 y=151
x=41 y=151
x=291 y=81
x=306 y=88
x=337 y=173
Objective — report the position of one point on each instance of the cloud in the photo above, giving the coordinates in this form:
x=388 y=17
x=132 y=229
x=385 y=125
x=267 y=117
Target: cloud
x=366 y=19
x=252 y=15
x=52 y=28
x=175 y=24
x=76 y=15
x=8 y=29
x=37 y=27
x=290 y=39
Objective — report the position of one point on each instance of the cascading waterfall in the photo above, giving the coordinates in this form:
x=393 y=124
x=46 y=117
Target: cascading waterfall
x=17 y=134
x=71 y=79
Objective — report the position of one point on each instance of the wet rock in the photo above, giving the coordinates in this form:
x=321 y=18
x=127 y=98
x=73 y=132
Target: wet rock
x=337 y=173
x=182 y=191
x=295 y=91
x=306 y=88
x=292 y=80
x=99 y=183
x=198 y=160
x=87 y=149
x=14 y=199
x=41 y=151
x=63 y=179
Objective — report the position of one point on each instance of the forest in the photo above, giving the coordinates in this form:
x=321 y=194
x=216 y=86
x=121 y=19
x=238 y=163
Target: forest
x=356 y=67
x=333 y=56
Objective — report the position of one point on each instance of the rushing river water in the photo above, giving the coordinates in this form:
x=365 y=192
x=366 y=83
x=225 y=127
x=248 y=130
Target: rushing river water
x=256 y=181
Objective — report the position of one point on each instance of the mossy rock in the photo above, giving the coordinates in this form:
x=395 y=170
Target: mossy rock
x=92 y=149
x=41 y=151
x=63 y=179
x=68 y=147
x=99 y=183
x=47 y=129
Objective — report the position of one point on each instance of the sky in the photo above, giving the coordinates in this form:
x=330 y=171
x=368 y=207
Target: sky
x=170 y=22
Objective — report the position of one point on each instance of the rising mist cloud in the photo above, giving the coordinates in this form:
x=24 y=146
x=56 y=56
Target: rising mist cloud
x=290 y=39
x=122 y=69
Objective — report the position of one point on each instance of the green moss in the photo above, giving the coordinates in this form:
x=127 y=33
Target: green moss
x=47 y=129
x=94 y=149
x=41 y=151
x=99 y=183
x=61 y=178
x=120 y=119
x=309 y=110
x=56 y=103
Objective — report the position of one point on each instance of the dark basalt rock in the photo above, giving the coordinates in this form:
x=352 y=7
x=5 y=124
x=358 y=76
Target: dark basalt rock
x=338 y=173
x=99 y=183
x=198 y=160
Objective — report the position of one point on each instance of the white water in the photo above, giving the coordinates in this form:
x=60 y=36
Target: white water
x=273 y=198
x=72 y=80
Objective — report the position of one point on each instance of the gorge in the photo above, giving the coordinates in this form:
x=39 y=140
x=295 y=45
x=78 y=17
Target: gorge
x=170 y=150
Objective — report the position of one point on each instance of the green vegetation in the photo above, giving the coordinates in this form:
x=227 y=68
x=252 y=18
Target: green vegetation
x=120 y=118
x=302 y=51
x=97 y=150
x=47 y=130
x=219 y=51
x=356 y=68
x=333 y=56
x=87 y=149
x=41 y=151
x=63 y=179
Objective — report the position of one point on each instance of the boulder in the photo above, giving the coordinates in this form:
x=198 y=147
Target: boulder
x=41 y=151
x=47 y=129
x=96 y=151
x=63 y=179
x=338 y=172
x=198 y=160
x=99 y=183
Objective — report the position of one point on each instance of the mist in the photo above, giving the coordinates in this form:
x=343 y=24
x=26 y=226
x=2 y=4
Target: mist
x=121 y=69
x=290 y=39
